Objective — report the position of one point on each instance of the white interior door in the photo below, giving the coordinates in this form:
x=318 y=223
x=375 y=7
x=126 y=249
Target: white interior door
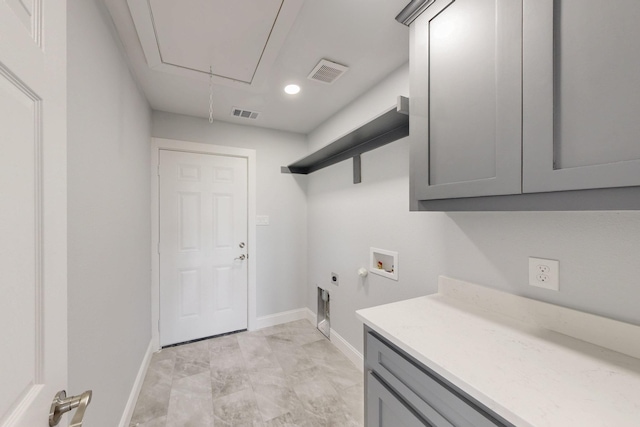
x=203 y=245
x=33 y=252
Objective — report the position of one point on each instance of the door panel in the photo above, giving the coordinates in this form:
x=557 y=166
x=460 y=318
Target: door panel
x=23 y=10
x=189 y=284
x=20 y=250
x=462 y=84
x=189 y=234
x=223 y=217
x=596 y=101
x=203 y=220
x=32 y=184
x=581 y=94
x=465 y=99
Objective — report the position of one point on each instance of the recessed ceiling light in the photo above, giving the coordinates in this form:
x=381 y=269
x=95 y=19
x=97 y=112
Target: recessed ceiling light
x=292 y=89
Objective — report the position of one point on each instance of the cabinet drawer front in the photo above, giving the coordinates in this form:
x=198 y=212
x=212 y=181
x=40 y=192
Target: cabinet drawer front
x=465 y=125
x=417 y=386
x=386 y=409
x=581 y=94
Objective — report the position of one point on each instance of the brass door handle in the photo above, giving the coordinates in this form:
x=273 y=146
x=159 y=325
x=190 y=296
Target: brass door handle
x=63 y=404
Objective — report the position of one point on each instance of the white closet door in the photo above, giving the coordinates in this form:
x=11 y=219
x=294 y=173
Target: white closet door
x=33 y=242
x=203 y=245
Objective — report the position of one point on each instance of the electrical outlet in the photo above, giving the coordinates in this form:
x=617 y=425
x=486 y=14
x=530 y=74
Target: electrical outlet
x=544 y=273
x=335 y=279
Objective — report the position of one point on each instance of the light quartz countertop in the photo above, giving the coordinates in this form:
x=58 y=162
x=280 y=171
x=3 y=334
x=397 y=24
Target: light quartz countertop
x=520 y=357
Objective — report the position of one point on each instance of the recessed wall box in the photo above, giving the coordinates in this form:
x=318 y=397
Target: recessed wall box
x=324 y=312
x=383 y=263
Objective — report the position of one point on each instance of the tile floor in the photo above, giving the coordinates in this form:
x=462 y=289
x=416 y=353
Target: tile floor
x=285 y=375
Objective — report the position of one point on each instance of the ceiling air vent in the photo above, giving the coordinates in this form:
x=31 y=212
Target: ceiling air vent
x=244 y=114
x=327 y=72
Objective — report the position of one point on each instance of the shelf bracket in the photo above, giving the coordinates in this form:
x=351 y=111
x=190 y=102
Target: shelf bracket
x=357 y=169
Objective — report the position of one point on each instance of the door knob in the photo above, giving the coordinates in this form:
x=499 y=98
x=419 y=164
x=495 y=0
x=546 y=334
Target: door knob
x=241 y=245
x=241 y=257
x=63 y=404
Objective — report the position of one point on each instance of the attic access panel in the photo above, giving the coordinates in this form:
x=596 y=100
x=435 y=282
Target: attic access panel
x=239 y=39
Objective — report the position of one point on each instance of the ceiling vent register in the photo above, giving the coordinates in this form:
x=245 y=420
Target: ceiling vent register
x=244 y=114
x=327 y=72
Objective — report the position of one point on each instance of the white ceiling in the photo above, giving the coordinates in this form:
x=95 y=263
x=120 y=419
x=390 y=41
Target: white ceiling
x=255 y=48
x=233 y=42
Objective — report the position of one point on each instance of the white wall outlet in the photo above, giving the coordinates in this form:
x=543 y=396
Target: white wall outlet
x=544 y=273
x=262 y=219
x=335 y=279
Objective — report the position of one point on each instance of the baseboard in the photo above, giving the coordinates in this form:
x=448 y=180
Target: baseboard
x=135 y=390
x=347 y=349
x=279 y=318
x=311 y=316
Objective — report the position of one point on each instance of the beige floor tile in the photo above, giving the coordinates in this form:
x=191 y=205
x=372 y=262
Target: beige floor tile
x=237 y=409
x=191 y=402
x=282 y=376
x=353 y=398
x=156 y=389
x=156 y=422
x=320 y=398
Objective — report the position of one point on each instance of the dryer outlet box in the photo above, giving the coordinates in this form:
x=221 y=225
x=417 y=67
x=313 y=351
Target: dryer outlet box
x=335 y=279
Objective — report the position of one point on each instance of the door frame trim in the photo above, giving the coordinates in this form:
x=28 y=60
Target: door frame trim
x=158 y=144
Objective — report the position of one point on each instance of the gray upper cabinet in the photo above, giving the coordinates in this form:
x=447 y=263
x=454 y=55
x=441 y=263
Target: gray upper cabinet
x=466 y=99
x=581 y=94
x=524 y=104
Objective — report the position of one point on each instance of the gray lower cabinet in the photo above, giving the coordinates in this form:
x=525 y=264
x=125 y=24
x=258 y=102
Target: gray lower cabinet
x=402 y=392
x=521 y=97
x=385 y=409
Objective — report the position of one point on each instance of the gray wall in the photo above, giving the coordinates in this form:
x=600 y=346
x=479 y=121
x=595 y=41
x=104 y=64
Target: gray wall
x=282 y=245
x=598 y=251
x=109 y=123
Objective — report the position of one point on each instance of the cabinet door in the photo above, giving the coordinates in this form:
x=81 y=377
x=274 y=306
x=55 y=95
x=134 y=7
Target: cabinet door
x=384 y=409
x=466 y=99
x=581 y=94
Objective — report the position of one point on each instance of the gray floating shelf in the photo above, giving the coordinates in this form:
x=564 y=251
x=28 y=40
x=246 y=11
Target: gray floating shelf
x=389 y=126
